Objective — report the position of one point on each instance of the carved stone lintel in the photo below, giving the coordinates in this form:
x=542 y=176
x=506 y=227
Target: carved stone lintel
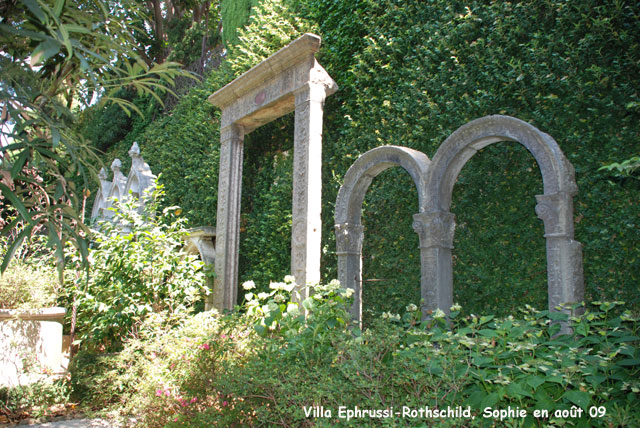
x=556 y=211
x=349 y=238
x=435 y=228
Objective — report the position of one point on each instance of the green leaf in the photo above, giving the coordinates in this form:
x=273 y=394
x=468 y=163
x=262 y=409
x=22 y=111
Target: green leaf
x=485 y=332
x=482 y=361
x=630 y=362
x=35 y=8
x=490 y=400
x=11 y=250
x=579 y=398
x=57 y=8
x=17 y=204
x=558 y=316
x=543 y=400
x=65 y=40
x=515 y=390
x=19 y=163
x=485 y=319
x=596 y=380
x=44 y=51
x=475 y=399
x=55 y=136
x=535 y=381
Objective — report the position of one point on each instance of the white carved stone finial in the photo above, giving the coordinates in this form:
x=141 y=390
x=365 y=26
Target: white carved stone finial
x=116 y=165
x=102 y=175
x=134 y=151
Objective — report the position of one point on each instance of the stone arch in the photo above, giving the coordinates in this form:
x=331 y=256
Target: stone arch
x=348 y=211
x=555 y=207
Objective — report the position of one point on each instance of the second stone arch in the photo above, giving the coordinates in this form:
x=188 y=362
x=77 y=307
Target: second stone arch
x=348 y=211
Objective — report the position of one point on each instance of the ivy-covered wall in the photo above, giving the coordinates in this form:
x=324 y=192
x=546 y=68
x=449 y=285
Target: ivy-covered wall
x=235 y=14
x=410 y=73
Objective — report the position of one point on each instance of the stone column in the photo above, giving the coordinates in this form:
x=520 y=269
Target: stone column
x=225 y=289
x=435 y=230
x=564 y=255
x=307 y=186
x=349 y=238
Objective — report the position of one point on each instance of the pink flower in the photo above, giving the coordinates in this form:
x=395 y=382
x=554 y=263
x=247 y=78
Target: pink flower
x=194 y=399
x=167 y=392
x=205 y=346
x=175 y=419
x=159 y=393
x=224 y=336
x=225 y=404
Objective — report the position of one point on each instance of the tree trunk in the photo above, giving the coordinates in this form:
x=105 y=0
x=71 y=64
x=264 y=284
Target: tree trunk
x=159 y=29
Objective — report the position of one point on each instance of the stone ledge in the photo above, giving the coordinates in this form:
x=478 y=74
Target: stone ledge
x=44 y=314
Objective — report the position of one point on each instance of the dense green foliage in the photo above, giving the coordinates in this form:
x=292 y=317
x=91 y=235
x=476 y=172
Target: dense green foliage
x=235 y=14
x=410 y=73
x=138 y=267
x=26 y=285
x=54 y=58
x=36 y=398
x=265 y=366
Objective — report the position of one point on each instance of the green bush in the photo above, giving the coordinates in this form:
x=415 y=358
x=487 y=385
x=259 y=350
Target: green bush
x=31 y=280
x=34 y=399
x=138 y=267
x=266 y=365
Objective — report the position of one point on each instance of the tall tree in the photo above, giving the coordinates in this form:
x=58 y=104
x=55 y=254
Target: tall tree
x=57 y=56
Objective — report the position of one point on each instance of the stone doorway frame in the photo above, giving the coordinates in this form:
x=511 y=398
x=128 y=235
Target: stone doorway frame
x=289 y=80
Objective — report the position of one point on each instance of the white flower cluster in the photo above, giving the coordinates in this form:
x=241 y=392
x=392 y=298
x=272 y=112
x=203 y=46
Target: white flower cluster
x=390 y=316
x=248 y=285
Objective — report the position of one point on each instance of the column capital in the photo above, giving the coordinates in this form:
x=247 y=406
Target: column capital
x=311 y=92
x=435 y=228
x=556 y=211
x=231 y=131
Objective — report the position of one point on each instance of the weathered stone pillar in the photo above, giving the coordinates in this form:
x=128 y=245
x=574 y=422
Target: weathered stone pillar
x=435 y=230
x=307 y=186
x=349 y=238
x=225 y=289
x=564 y=255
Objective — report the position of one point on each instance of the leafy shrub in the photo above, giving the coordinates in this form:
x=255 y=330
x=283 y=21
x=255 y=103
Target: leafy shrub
x=138 y=267
x=264 y=366
x=25 y=286
x=34 y=399
x=31 y=280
